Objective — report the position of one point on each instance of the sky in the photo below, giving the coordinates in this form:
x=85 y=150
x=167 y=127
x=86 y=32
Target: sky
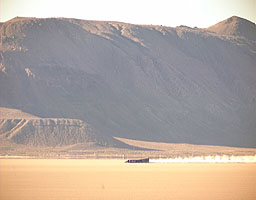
x=200 y=13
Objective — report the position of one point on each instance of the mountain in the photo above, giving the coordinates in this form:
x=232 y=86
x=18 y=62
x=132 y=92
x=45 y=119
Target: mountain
x=235 y=26
x=140 y=82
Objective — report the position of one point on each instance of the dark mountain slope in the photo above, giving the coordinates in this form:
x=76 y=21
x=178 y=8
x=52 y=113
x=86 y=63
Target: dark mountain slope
x=140 y=82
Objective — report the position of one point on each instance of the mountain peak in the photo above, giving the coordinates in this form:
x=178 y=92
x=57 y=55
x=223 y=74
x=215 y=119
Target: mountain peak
x=234 y=19
x=235 y=26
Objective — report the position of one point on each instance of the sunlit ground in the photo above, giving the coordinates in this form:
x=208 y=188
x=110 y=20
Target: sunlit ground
x=38 y=179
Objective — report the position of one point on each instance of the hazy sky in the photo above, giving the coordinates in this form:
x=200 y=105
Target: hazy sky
x=200 y=13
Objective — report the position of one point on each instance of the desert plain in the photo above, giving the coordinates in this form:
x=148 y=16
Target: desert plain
x=38 y=179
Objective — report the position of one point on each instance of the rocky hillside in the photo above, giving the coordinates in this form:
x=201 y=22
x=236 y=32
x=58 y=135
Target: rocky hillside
x=22 y=128
x=152 y=83
x=45 y=132
x=235 y=26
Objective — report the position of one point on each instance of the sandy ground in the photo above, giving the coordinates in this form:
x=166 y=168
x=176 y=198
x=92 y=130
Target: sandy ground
x=23 y=179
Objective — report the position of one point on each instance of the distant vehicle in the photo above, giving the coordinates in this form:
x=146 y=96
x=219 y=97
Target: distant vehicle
x=145 y=160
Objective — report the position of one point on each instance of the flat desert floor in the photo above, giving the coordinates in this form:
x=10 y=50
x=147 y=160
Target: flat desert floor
x=43 y=179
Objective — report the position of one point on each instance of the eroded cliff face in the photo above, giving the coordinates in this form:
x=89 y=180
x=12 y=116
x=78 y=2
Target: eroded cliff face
x=46 y=132
x=152 y=83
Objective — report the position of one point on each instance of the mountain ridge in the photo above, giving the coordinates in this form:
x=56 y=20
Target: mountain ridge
x=235 y=26
x=152 y=83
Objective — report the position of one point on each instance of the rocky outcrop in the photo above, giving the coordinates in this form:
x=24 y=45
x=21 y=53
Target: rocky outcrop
x=46 y=132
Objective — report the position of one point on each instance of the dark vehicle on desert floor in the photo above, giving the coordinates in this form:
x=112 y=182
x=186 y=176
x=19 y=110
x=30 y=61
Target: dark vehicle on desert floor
x=145 y=160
